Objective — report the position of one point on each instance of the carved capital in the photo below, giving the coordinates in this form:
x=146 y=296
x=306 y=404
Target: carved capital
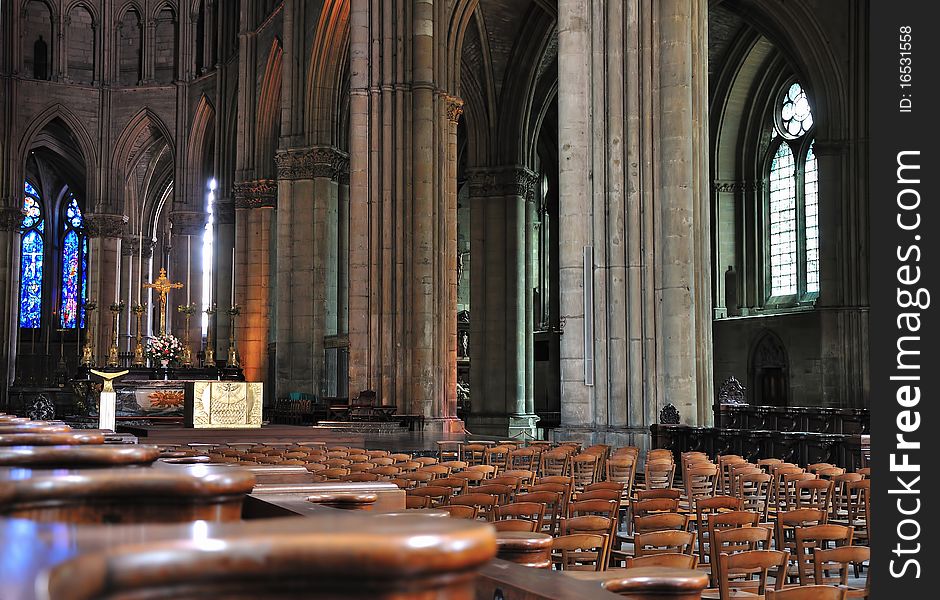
x=105 y=225
x=255 y=193
x=726 y=186
x=223 y=211
x=310 y=163
x=502 y=182
x=187 y=222
x=829 y=148
x=454 y=108
x=10 y=218
x=130 y=245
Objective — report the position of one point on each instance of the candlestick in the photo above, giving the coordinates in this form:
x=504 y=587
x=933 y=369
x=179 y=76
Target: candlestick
x=88 y=357
x=209 y=360
x=116 y=309
x=233 y=277
x=232 y=350
x=139 y=360
x=140 y=265
x=187 y=356
x=189 y=280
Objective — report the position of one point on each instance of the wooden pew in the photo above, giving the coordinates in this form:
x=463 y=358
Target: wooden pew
x=345 y=555
x=65 y=438
x=77 y=456
x=128 y=495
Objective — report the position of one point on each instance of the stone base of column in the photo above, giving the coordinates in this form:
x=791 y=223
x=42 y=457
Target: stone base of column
x=614 y=436
x=521 y=426
x=444 y=425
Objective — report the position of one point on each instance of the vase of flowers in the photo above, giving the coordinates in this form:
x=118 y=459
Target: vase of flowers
x=165 y=349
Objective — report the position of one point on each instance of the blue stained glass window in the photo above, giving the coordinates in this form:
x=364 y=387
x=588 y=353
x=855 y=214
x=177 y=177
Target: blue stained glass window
x=31 y=259
x=74 y=267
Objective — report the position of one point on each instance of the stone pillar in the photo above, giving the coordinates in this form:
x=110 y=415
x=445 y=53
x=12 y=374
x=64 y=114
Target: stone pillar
x=634 y=217
x=501 y=295
x=255 y=210
x=105 y=232
x=130 y=284
x=10 y=219
x=402 y=245
x=224 y=241
x=307 y=195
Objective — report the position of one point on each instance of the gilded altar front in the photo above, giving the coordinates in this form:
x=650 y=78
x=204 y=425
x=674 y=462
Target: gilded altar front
x=223 y=404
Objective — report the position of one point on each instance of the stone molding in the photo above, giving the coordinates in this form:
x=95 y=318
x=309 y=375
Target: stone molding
x=188 y=222
x=255 y=193
x=311 y=163
x=733 y=186
x=829 y=148
x=130 y=246
x=502 y=182
x=10 y=218
x=105 y=225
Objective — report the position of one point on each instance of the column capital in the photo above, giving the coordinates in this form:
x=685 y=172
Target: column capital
x=10 y=218
x=255 y=193
x=829 y=147
x=223 y=211
x=492 y=182
x=310 y=162
x=187 y=222
x=454 y=108
x=105 y=225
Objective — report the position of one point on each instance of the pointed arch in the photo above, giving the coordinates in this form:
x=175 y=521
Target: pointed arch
x=199 y=151
x=269 y=113
x=143 y=133
x=74 y=127
x=328 y=57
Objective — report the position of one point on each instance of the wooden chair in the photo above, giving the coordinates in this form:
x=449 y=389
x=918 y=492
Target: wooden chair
x=532 y=512
x=838 y=560
x=523 y=459
x=809 y=592
x=600 y=495
x=415 y=502
x=484 y=503
x=439 y=471
x=754 y=491
x=473 y=454
x=526 y=478
x=497 y=456
x=704 y=509
x=608 y=509
x=622 y=470
x=583 y=469
x=660 y=522
x=671 y=493
x=553 y=463
x=459 y=511
x=725 y=462
x=579 y=552
x=728 y=520
x=551 y=508
x=666 y=559
x=786 y=523
x=820 y=537
x=662 y=542
x=813 y=493
x=360 y=467
x=749 y=563
x=333 y=473
x=788 y=483
x=361 y=477
x=453 y=465
x=562 y=489
x=700 y=481
x=519 y=525
x=839 y=507
x=859 y=509
x=503 y=493
x=659 y=474
x=433 y=494
x=487 y=470
x=472 y=477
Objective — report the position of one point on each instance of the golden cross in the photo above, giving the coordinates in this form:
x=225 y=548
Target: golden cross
x=163 y=286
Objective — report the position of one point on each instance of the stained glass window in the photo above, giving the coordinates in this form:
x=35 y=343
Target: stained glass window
x=783 y=223
x=31 y=259
x=74 y=267
x=811 y=204
x=796 y=116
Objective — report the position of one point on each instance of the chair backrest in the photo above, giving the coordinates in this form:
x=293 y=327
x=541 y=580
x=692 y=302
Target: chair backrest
x=622 y=470
x=859 y=498
x=813 y=493
x=754 y=491
x=817 y=536
x=516 y=525
x=747 y=563
x=728 y=520
x=503 y=493
x=436 y=495
x=580 y=551
x=788 y=483
x=661 y=542
x=554 y=463
x=583 y=469
x=551 y=503
x=600 y=495
x=665 y=559
x=526 y=511
x=523 y=458
x=659 y=474
x=603 y=508
x=741 y=539
x=700 y=481
x=459 y=511
x=671 y=493
x=808 y=592
x=831 y=566
x=704 y=509
x=787 y=522
x=725 y=462
x=485 y=504
x=660 y=522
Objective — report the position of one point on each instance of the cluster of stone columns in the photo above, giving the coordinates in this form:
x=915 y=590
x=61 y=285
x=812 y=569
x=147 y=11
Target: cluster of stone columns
x=403 y=233
x=634 y=220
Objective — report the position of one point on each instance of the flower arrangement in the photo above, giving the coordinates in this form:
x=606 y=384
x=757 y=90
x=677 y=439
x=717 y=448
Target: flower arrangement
x=164 y=347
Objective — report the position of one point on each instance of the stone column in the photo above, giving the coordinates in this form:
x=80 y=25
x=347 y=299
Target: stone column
x=402 y=243
x=105 y=232
x=307 y=195
x=634 y=216
x=224 y=241
x=10 y=219
x=500 y=292
x=255 y=210
x=130 y=283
